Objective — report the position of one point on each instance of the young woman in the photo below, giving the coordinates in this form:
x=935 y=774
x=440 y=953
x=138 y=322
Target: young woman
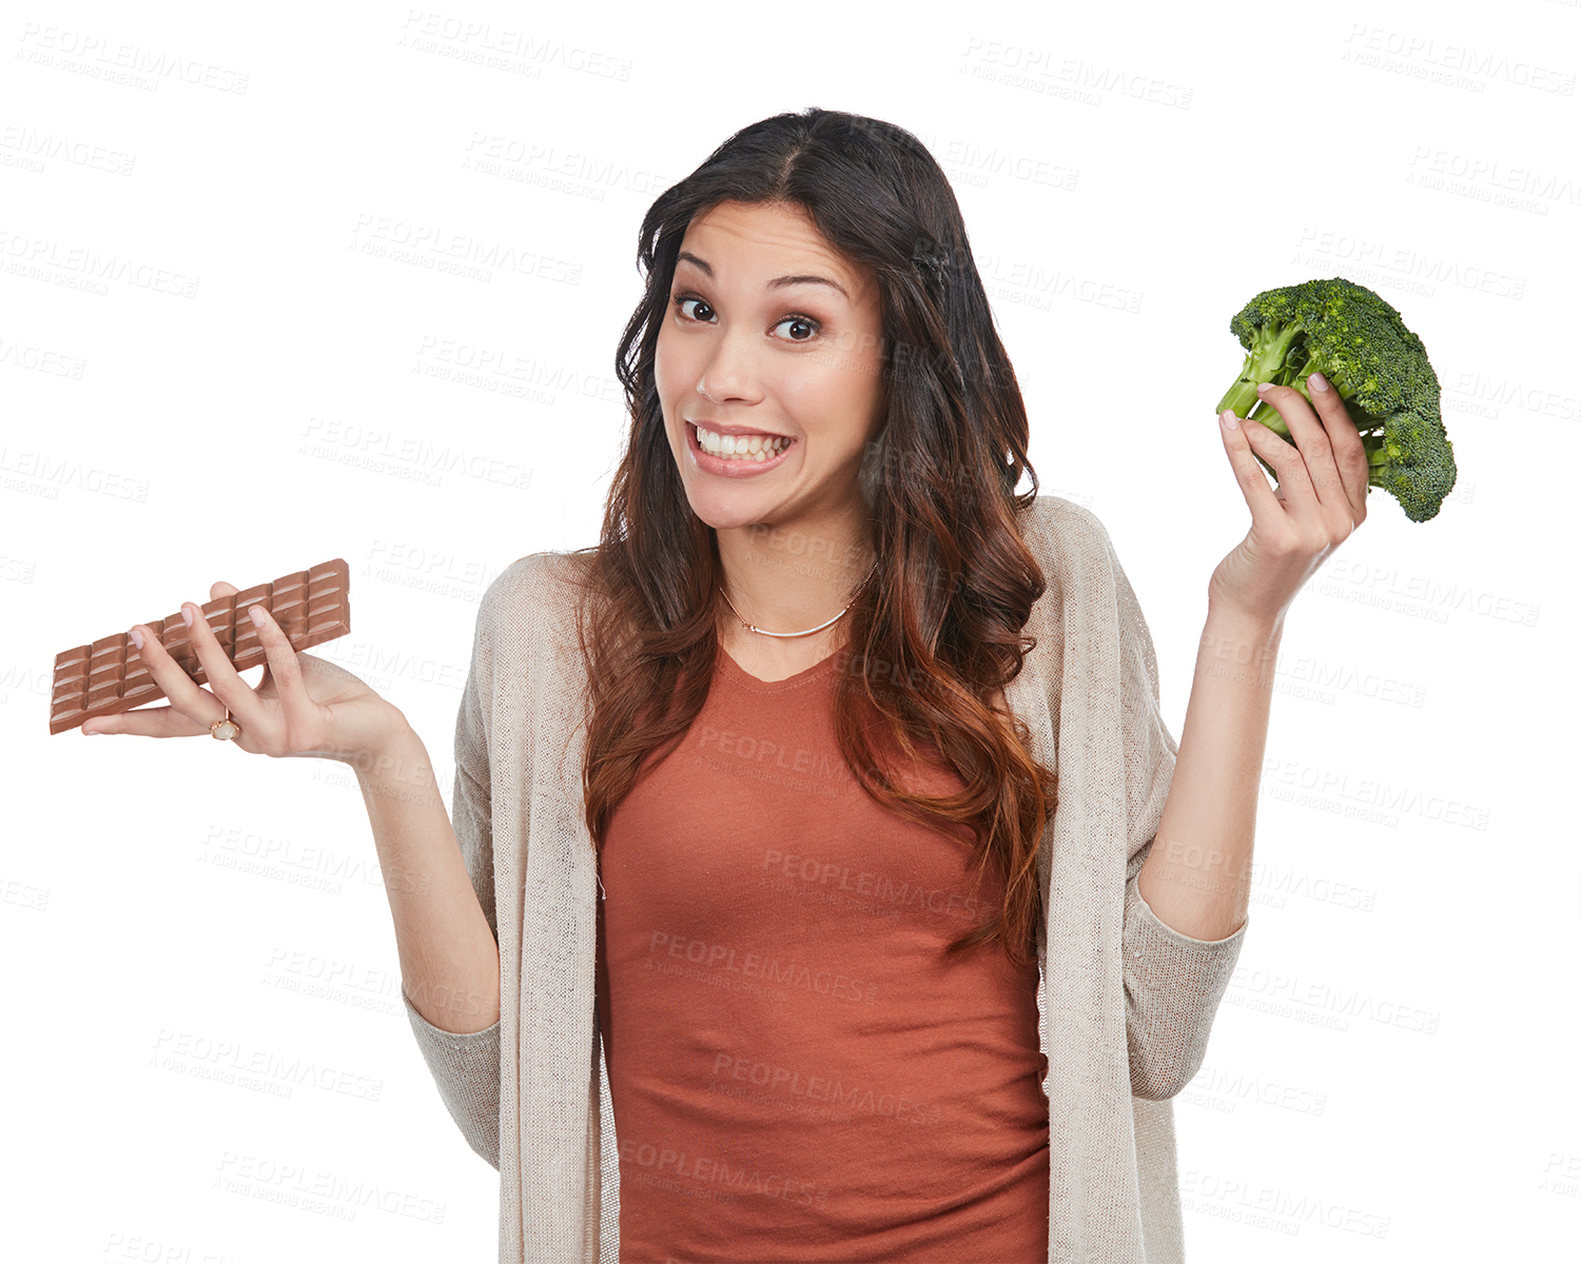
x=765 y=929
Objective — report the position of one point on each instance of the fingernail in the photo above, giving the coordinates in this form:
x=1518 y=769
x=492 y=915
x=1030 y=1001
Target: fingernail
x=256 y=614
x=186 y=614
x=1263 y=387
x=1318 y=382
x=1230 y=420
x=137 y=638
x=87 y=732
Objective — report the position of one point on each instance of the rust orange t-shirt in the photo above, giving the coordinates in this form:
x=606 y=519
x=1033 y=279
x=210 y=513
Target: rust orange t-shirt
x=796 y=1070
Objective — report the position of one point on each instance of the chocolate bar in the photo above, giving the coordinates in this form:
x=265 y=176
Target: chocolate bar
x=107 y=676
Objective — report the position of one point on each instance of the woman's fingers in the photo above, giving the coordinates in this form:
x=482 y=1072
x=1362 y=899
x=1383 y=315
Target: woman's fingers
x=286 y=670
x=1260 y=498
x=146 y=722
x=1350 y=455
x=1317 y=481
x=189 y=704
x=226 y=682
x=1309 y=473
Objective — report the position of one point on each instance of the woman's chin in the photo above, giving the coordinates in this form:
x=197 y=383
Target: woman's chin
x=723 y=513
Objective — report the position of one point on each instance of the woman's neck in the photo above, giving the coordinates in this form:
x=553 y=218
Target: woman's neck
x=789 y=580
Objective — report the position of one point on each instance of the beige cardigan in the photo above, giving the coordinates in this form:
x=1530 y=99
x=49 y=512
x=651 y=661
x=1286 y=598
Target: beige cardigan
x=1125 y=1001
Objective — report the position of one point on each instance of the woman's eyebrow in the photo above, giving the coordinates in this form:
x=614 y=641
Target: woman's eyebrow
x=777 y=283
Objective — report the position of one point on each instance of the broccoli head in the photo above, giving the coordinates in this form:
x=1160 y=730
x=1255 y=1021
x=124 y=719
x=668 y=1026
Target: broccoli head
x=1379 y=367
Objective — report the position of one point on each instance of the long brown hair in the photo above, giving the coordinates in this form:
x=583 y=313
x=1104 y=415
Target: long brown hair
x=936 y=633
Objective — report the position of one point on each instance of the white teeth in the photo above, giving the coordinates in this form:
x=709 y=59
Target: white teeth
x=740 y=447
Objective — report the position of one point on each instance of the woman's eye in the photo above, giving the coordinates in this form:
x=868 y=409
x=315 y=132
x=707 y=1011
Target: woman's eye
x=703 y=312
x=807 y=322
x=681 y=303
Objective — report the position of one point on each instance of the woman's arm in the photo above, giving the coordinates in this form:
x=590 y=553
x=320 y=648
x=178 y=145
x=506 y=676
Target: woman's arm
x=450 y=976
x=1197 y=877
x=1174 y=979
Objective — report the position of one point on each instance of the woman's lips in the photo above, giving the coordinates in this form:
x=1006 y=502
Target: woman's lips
x=726 y=467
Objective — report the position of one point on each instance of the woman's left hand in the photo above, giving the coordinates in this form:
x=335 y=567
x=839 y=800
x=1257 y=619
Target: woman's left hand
x=1321 y=499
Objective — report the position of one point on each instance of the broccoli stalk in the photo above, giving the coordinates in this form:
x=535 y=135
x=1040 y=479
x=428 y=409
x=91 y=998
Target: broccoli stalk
x=1378 y=367
x=1266 y=362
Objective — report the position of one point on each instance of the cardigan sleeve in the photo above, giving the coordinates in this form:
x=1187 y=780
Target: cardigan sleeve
x=1173 y=982
x=466 y=1065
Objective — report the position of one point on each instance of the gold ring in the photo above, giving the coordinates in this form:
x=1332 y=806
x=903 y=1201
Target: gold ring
x=225 y=729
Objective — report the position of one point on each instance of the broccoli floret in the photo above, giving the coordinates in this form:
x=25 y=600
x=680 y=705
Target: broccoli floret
x=1379 y=367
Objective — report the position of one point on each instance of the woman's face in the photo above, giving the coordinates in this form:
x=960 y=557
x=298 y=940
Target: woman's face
x=756 y=346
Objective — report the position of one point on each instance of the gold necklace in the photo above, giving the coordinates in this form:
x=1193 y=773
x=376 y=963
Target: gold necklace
x=752 y=628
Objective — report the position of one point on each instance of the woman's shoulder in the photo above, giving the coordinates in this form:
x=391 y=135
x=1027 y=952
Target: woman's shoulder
x=1062 y=533
x=538 y=594
x=547 y=572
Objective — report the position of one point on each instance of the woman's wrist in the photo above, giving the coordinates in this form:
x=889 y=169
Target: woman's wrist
x=393 y=747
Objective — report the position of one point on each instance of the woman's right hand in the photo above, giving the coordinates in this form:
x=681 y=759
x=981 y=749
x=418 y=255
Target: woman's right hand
x=303 y=705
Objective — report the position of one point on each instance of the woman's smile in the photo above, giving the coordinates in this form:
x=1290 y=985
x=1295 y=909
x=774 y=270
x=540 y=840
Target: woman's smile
x=735 y=456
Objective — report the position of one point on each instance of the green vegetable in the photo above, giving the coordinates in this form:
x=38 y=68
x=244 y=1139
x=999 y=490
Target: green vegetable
x=1379 y=367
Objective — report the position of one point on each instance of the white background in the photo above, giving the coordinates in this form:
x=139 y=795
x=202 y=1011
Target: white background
x=1387 y=1075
